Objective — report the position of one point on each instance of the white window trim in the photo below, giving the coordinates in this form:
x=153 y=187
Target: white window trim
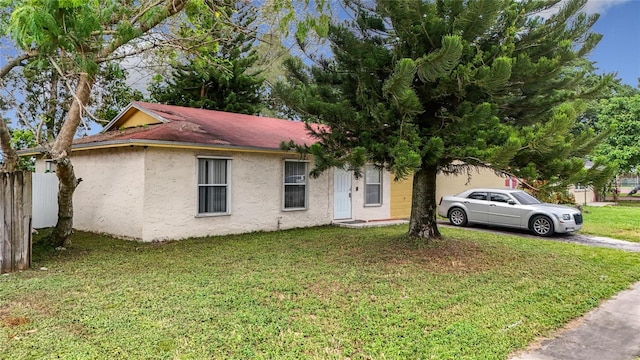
x=306 y=185
x=226 y=213
x=365 y=187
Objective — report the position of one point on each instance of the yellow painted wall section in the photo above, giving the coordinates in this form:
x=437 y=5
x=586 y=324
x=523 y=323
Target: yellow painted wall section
x=453 y=184
x=136 y=118
x=401 y=198
x=445 y=185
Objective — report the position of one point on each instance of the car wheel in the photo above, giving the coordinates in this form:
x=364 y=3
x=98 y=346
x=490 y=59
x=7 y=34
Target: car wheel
x=457 y=217
x=541 y=225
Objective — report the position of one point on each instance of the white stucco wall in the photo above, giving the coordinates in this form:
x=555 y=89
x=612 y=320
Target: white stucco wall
x=583 y=196
x=170 y=200
x=360 y=211
x=110 y=197
x=151 y=194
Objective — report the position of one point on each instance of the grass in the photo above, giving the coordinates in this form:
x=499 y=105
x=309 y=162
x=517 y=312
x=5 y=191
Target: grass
x=320 y=293
x=618 y=222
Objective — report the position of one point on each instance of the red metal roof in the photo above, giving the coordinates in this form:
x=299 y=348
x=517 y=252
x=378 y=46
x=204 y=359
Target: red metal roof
x=198 y=126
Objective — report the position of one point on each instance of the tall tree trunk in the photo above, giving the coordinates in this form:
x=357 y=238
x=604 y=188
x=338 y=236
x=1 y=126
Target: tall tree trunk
x=67 y=183
x=423 y=205
x=8 y=152
x=60 y=154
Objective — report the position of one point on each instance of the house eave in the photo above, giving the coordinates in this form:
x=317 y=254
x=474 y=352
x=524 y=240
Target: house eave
x=159 y=144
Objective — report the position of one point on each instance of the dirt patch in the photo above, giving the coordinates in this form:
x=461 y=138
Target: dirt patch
x=13 y=313
x=445 y=256
x=12 y=321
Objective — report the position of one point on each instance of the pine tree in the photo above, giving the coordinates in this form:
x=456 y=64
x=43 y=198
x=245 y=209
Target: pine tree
x=228 y=84
x=442 y=86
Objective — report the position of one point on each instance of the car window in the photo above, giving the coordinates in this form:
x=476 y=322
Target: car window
x=477 y=196
x=497 y=197
x=525 y=199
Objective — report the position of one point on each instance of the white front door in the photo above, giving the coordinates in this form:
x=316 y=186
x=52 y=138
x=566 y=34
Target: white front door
x=341 y=194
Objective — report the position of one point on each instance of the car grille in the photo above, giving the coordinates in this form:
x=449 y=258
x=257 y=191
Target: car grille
x=577 y=218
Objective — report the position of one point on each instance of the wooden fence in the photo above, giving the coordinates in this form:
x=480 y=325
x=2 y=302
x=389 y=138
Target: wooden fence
x=15 y=221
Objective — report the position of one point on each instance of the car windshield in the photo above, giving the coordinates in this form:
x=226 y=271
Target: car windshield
x=525 y=199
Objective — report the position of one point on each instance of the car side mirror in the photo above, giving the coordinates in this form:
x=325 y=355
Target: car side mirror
x=511 y=202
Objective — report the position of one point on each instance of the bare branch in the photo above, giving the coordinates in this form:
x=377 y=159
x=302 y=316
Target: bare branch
x=172 y=6
x=75 y=96
x=15 y=62
x=145 y=10
x=24 y=119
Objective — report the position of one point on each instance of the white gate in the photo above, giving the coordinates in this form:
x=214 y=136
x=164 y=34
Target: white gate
x=44 y=199
x=341 y=194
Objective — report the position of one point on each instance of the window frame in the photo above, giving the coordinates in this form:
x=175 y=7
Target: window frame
x=366 y=183
x=228 y=161
x=306 y=185
x=50 y=166
x=504 y=196
x=486 y=196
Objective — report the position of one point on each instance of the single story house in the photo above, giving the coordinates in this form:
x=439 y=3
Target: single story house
x=160 y=172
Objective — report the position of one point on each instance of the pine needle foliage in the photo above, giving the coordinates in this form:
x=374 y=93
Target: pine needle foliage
x=440 y=86
x=221 y=77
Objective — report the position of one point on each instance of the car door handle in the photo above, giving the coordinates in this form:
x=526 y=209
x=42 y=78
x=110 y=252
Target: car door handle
x=492 y=204
x=466 y=202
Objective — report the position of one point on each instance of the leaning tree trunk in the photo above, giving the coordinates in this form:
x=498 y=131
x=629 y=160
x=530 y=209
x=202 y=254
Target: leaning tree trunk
x=60 y=154
x=9 y=153
x=423 y=205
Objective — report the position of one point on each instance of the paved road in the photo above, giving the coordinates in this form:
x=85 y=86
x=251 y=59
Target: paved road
x=610 y=332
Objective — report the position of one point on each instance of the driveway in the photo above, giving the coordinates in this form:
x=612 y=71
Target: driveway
x=580 y=239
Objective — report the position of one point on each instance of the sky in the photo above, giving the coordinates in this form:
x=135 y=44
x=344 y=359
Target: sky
x=619 y=49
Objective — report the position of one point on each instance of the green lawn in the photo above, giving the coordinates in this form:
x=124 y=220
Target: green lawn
x=314 y=293
x=618 y=222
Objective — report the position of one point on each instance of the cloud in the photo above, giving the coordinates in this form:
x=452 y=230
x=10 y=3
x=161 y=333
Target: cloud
x=591 y=7
x=601 y=6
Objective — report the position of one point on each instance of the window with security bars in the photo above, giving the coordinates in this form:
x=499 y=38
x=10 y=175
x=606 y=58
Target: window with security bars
x=213 y=186
x=295 y=185
x=373 y=185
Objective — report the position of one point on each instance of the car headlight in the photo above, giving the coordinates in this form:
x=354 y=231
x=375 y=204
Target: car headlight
x=566 y=216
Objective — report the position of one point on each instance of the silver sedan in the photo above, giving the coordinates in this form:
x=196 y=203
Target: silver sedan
x=510 y=208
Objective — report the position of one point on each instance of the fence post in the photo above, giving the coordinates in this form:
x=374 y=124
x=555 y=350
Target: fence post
x=15 y=217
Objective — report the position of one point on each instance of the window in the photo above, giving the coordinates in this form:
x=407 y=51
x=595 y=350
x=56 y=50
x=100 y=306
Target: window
x=213 y=186
x=525 y=199
x=478 y=196
x=49 y=166
x=295 y=185
x=499 y=197
x=372 y=185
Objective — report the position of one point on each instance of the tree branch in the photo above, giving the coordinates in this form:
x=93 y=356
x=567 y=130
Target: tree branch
x=15 y=62
x=172 y=7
